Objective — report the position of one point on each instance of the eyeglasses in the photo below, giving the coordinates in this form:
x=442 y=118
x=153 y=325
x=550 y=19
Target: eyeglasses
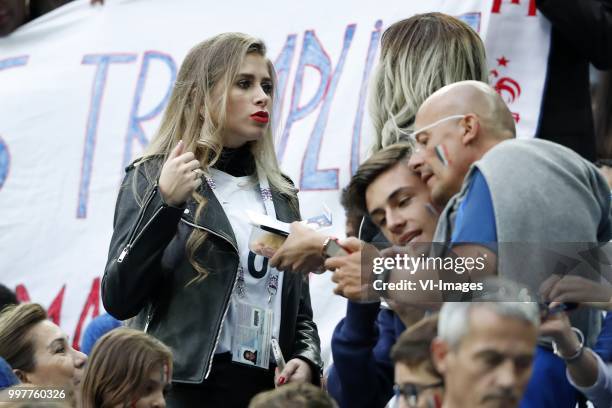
x=413 y=136
x=410 y=392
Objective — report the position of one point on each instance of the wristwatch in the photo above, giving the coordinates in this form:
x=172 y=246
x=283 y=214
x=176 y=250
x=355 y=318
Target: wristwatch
x=325 y=248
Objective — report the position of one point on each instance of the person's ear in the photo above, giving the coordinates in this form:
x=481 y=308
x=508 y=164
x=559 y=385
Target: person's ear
x=471 y=125
x=439 y=354
x=21 y=375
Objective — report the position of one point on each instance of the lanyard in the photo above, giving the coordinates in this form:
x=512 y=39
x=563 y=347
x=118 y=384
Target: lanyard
x=266 y=197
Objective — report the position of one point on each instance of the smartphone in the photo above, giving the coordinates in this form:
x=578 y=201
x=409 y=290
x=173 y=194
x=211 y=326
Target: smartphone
x=278 y=354
x=333 y=248
x=274 y=230
x=546 y=310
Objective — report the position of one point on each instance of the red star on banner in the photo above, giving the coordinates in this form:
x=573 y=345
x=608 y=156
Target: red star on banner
x=502 y=62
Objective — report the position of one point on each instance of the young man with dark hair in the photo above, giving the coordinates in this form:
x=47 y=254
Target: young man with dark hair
x=388 y=193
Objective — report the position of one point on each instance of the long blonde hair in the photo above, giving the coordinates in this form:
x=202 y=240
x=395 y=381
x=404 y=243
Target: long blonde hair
x=196 y=115
x=119 y=366
x=420 y=55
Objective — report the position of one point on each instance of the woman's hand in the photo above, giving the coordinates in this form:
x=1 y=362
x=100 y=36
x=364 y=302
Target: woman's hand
x=180 y=176
x=295 y=370
x=301 y=252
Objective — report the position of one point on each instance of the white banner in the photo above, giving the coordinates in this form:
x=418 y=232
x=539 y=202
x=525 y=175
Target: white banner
x=82 y=90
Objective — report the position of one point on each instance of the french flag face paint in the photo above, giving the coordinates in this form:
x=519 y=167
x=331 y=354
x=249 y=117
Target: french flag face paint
x=442 y=154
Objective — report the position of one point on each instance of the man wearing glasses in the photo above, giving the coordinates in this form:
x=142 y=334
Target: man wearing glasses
x=485 y=352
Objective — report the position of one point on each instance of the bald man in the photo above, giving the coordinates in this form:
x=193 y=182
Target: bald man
x=498 y=189
x=481 y=120
x=495 y=188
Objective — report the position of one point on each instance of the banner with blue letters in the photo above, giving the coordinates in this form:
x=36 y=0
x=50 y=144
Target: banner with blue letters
x=82 y=90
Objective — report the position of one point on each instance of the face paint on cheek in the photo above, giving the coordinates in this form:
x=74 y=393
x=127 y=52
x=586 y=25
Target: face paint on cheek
x=442 y=154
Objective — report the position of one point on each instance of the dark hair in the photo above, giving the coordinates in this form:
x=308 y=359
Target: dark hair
x=7 y=297
x=368 y=171
x=413 y=347
x=293 y=395
x=353 y=217
x=16 y=346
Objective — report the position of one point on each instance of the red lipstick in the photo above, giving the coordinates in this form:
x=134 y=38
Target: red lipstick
x=261 y=117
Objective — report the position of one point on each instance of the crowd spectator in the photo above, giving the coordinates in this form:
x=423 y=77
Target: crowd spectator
x=127 y=366
x=296 y=395
x=485 y=352
x=37 y=349
x=417 y=382
x=398 y=202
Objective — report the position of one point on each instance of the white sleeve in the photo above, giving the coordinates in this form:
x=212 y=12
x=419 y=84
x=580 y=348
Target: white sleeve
x=600 y=393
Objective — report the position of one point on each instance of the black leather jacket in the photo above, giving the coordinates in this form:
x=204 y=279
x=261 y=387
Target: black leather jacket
x=147 y=276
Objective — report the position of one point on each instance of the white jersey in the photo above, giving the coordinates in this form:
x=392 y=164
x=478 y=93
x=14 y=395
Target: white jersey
x=237 y=195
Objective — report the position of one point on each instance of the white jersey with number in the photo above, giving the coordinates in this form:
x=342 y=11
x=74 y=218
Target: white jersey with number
x=237 y=195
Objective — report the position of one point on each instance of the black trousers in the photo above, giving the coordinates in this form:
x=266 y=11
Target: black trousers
x=229 y=385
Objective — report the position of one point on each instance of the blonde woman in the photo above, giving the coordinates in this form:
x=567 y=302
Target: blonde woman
x=127 y=368
x=418 y=56
x=179 y=258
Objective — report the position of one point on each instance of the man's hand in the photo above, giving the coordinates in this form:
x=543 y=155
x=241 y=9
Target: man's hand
x=295 y=370
x=576 y=289
x=353 y=273
x=559 y=328
x=180 y=176
x=302 y=251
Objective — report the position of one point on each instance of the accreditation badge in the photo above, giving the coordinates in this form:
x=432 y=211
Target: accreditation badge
x=252 y=335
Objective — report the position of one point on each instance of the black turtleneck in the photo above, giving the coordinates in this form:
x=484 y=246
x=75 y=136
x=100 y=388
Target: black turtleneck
x=237 y=162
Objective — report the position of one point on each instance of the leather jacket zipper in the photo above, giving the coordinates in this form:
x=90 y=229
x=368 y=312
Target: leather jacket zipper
x=149 y=318
x=227 y=296
x=132 y=240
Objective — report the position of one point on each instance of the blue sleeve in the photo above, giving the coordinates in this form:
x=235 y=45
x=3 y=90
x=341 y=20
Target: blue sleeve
x=603 y=346
x=7 y=377
x=475 y=220
x=363 y=371
x=548 y=385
